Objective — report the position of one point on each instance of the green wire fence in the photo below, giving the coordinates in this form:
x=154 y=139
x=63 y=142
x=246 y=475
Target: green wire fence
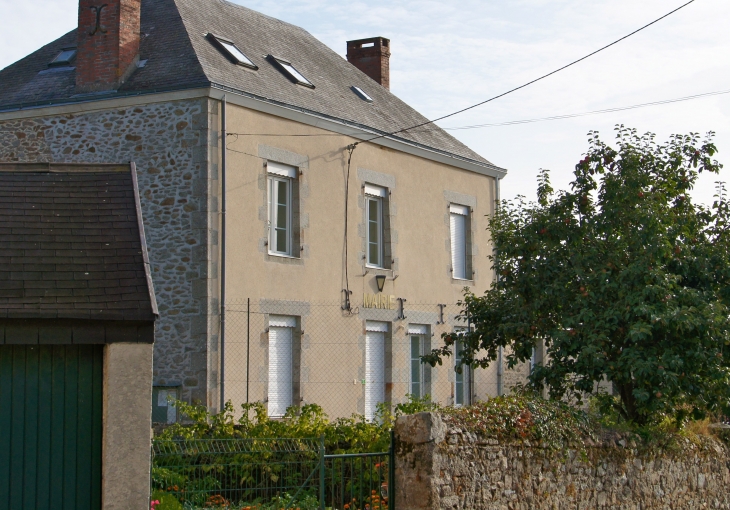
x=276 y=473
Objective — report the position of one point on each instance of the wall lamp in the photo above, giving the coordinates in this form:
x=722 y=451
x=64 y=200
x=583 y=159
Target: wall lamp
x=380 y=280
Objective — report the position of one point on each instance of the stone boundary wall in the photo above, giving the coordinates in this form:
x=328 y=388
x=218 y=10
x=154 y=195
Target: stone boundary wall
x=439 y=466
x=175 y=147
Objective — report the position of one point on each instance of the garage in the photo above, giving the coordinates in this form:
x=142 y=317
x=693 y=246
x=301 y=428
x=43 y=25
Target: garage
x=51 y=397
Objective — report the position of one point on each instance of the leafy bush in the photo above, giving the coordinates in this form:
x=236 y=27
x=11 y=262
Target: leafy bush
x=167 y=501
x=343 y=435
x=525 y=417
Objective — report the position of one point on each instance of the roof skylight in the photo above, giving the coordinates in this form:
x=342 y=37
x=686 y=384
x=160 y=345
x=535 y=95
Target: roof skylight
x=64 y=57
x=288 y=69
x=362 y=94
x=231 y=51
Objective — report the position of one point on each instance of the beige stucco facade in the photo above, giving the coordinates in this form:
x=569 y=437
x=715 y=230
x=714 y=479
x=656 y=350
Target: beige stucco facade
x=182 y=208
x=329 y=343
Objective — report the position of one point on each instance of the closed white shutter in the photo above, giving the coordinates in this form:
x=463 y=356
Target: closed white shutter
x=458 y=244
x=374 y=366
x=282 y=170
x=417 y=329
x=280 y=365
x=375 y=191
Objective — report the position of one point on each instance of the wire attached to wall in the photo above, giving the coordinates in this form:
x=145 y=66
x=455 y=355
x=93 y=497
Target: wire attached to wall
x=347 y=305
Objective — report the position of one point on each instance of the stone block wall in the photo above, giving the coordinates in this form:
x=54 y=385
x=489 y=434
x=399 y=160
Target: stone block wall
x=440 y=466
x=175 y=148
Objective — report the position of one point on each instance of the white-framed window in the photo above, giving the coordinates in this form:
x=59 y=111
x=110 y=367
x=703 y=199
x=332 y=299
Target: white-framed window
x=374 y=199
x=291 y=72
x=374 y=366
x=232 y=51
x=281 y=181
x=420 y=373
x=281 y=364
x=459 y=223
x=462 y=382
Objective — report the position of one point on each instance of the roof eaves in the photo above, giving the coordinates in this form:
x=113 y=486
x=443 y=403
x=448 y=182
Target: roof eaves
x=366 y=130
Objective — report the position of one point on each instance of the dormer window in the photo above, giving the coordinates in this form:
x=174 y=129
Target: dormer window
x=63 y=58
x=230 y=50
x=290 y=71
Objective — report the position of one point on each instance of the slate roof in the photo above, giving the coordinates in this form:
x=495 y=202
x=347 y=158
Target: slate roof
x=179 y=56
x=72 y=244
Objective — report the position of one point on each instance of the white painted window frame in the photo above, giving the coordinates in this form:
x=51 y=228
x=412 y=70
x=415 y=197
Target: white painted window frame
x=375 y=331
x=459 y=215
x=278 y=174
x=279 y=324
x=375 y=195
x=465 y=397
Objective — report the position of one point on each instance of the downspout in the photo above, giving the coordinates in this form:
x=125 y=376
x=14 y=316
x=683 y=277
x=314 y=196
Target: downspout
x=223 y=256
x=500 y=367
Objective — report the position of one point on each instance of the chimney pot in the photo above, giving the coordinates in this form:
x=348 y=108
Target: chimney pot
x=372 y=57
x=108 y=39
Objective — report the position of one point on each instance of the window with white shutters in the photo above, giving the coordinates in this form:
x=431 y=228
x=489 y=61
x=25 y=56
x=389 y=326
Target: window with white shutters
x=461 y=380
x=281 y=181
x=420 y=373
x=280 y=396
x=374 y=366
x=459 y=216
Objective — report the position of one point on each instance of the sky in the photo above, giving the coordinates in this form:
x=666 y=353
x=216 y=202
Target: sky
x=448 y=55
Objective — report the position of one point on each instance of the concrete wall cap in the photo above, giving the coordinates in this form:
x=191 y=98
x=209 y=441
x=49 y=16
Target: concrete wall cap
x=420 y=428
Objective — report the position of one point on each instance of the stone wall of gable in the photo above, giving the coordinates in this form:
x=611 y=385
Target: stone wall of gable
x=175 y=148
x=440 y=466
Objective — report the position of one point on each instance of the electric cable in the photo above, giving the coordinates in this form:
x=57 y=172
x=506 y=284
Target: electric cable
x=508 y=123
x=529 y=82
x=346 y=290
x=525 y=121
x=583 y=114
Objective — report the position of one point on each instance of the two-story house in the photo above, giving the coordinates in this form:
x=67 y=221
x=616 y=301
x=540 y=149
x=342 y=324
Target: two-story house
x=288 y=265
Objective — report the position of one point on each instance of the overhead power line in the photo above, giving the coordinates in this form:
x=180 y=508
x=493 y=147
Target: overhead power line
x=593 y=112
x=529 y=82
x=521 y=121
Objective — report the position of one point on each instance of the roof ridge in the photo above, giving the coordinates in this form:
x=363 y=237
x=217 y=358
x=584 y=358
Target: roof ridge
x=259 y=13
x=189 y=40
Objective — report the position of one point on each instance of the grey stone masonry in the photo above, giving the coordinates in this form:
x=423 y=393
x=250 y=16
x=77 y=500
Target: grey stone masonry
x=175 y=148
x=440 y=466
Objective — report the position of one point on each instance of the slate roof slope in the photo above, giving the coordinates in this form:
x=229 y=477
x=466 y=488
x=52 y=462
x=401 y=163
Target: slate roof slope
x=179 y=57
x=72 y=244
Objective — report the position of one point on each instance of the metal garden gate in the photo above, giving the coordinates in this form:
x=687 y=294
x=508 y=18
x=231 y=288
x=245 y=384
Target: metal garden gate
x=50 y=426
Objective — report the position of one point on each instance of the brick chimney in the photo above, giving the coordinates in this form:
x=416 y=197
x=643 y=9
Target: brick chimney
x=108 y=43
x=372 y=57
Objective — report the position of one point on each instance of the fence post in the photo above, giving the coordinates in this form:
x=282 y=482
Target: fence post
x=248 y=343
x=321 y=472
x=391 y=471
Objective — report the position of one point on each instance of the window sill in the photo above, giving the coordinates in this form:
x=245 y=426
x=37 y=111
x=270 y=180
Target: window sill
x=471 y=280
x=282 y=255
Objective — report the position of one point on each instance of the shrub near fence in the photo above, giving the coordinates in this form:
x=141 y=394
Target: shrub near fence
x=257 y=463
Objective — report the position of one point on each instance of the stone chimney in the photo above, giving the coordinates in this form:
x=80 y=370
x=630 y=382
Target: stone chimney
x=108 y=43
x=372 y=57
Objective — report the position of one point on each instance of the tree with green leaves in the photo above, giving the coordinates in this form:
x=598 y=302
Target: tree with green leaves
x=622 y=278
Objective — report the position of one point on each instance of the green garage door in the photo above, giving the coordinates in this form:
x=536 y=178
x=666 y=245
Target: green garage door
x=50 y=427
